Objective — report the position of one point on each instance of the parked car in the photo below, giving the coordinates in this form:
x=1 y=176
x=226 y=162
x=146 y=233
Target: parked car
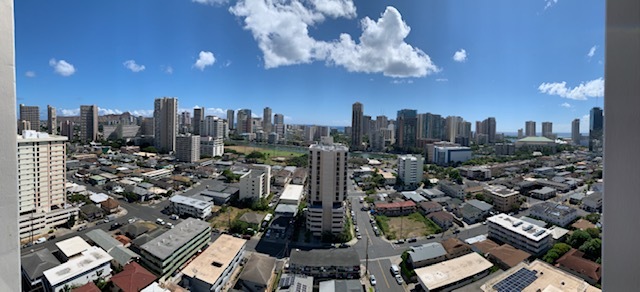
x=399 y=241
x=82 y=228
x=412 y=239
x=40 y=240
x=132 y=220
x=358 y=236
x=53 y=236
x=169 y=225
x=372 y=279
x=343 y=245
x=115 y=226
x=160 y=221
x=431 y=236
x=399 y=279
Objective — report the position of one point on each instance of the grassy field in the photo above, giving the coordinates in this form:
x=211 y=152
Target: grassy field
x=221 y=221
x=267 y=152
x=413 y=225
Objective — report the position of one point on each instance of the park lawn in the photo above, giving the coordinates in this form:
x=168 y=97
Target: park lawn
x=272 y=153
x=413 y=225
x=221 y=220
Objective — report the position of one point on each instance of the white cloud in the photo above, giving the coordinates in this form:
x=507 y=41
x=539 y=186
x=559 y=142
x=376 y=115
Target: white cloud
x=287 y=118
x=131 y=65
x=144 y=113
x=30 y=74
x=549 y=3
x=401 y=81
x=591 y=52
x=69 y=112
x=215 y=111
x=281 y=30
x=211 y=2
x=226 y=64
x=204 y=59
x=593 y=88
x=442 y=79
x=62 y=67
x=460 y=56
x=106 y=111
x=565 y=104
x=167 y=69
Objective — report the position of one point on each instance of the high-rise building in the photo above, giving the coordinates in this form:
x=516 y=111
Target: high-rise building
x=213 y=126
x=520 y=134
x=266 y=120
x=421 y=126
x=406 y=125
x=245 y=122
x=184 y=122
x=31 y=114
x=198 y=117
x=188 y=148
x=575 y=132
x=596 y=129
x=530 y=129
x=410 y=169
x=165 y=119
x=357 y=126
x=231 y=119
x=453 y=127
x=41 y=183
x=66 y=129
x=382 y=122
x=490 y=129
x=88 y=123
x=52 y=121
x=327 y=187
x=547 y=130
x=278 y=123
x=435 y=127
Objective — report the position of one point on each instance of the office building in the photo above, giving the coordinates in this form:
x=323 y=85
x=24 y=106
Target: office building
x=454 y=273
x=547 y=130
x=575 y=132
x=278 y=124
x=530 y=129
x=445 y=155
x=367 y=125
x=231 y=119
x=52 y=121
x=213 y=126
x=188 y=148
x=245 y=125
x=198 y=118
x=381 y=122
x=266 y=120
x=520 y=134
x=327 y=187
x=30 y=114
x=486 y=131
x=41 y=183
x=504 y=200
x=212 y=269
x=165 y=117
x=66 y=129
x=90 y=265
x=191 y=207
x=88 y=123
x=212 y=147
x=596 y=129
x=147 y=126
x=410 y=169
x=166 y=253
x=184 y=122
x=357 y=126
x=406 y=126
x=520 y=234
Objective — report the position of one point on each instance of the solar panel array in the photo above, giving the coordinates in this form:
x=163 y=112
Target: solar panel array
x=286 y=282
x=517 y=281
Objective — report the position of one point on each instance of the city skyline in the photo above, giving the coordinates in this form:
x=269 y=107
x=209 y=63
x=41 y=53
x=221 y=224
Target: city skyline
x=536 y=71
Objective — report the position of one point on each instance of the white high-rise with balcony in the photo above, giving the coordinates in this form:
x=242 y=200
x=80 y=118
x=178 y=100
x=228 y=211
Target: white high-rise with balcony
x=410 y=169
x=41 y=183
x=327 y=186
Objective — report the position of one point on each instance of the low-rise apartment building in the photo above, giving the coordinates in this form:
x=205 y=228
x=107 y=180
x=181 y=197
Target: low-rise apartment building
x=520 y=234
x=426 y=254
x=454 y=273
x=395 y=208
x=504 y=199
x=212 y=269
x=451 y=189
x=326 y=263
x=166 y=253
x=89 y=266
x=554 y=213
x=192 y=207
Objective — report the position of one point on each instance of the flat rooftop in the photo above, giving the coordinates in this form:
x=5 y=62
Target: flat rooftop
x=190 y=201
x=547 y=278
x=292 y=192
x=72 y=246
x=325 y=257
x=89 y=260
x=210 y=264
x=167 y=243
x=447 y=272
x=521 y=227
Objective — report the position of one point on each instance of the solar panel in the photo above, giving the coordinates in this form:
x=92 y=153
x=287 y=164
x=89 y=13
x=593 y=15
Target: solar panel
x=517 y=281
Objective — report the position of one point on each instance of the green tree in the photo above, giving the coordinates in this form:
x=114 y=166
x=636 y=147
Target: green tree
x=578 y=238
x=592 y=248
x=71 y=222
x=558 y=250
x=593 y=232
x=150 y=149
x=255 y=155
x=593 y=218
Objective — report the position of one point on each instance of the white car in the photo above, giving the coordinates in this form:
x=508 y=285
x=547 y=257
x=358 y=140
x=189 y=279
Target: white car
x=131 y=220
x=358 y=236
x=372 y=279
x=399 y=279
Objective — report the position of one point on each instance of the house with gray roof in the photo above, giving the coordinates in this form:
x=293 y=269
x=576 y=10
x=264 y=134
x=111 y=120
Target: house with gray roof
x=432 y=193
x=326 y=263
x=340 y=286
x=554 y=213
x=258 y=273
x=33 y=266
x=426 y=254
x=544 y=193
x=413 y=196
x=469 y=213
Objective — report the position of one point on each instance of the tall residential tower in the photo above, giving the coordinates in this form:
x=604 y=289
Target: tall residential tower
x=357 y=128
x=88 y=123
x=165 y=119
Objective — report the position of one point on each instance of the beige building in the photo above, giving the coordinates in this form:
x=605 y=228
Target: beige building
x=41 y=183
x=52 y=120
x=503 y=198
x=212 y=269
x=327 y=186
x=188 y=148
x=256 y=183
x=88 y=123
x=165 y=118
x=30 y=114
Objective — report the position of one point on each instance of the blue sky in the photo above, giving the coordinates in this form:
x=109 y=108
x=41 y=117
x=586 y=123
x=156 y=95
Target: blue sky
x=311 y=59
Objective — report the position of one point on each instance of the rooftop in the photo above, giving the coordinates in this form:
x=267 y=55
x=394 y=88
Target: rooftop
x=573 y=260
x=413 y=196
x=427 y=251
x=34 y=264
x=485 y=246
x=447 y=272
x=252 y=217
x=193 y=202
x=403 y=204
x=544 y=190
x=518 y=226
x=509 y=255
x=89 y=260
x=483 y=206
x=102 y=239
x=292 y=192
x=210 y=264
x=167 y=243
x=72 y=246
x=258 y=269
x=325 y=257
x=340 y=286
x=133 y=278
x=535 y=139
x=553 y=209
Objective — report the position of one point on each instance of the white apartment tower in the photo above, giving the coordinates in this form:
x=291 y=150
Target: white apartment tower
x=188 y=148
x=213 y=127
x=410 y=169
x=327 y=187
x=41 y=183
x=165 y=118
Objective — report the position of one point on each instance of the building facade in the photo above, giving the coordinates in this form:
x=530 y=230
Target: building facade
x=52 y=120
x=30 y=114
x=530 y=128
x=211 y=146
x=328 y=164
x=554 y=213
x=245 y=125
x=165 y=117
x=410 y=169
x=357 y=127
x=406 y=127
x=82 y=269
x=575 y=132
x=188 y=148
x=520 y=234
x=198 y=118
x=212 y=269
x=596 y=129
x=266 y=120
x=185 y=206
x=547 y=130
x=88 y=123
